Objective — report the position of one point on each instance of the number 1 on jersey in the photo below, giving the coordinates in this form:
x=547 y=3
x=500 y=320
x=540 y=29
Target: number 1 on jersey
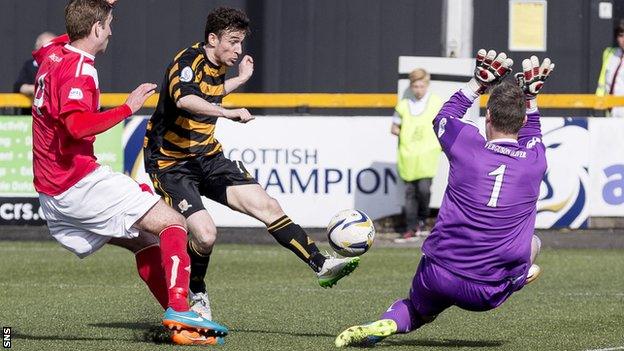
x=498 y=184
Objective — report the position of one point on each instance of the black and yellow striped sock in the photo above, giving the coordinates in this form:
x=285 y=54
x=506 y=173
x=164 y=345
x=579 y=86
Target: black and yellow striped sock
x=199 y=266
x=294 y=238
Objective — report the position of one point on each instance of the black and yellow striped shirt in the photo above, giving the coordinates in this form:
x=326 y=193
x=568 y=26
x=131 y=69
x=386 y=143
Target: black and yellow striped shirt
x=174 y=134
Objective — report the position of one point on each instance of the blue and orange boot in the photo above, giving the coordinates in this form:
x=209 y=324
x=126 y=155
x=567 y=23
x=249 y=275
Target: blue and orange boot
x=191 y=321
x=189 y=337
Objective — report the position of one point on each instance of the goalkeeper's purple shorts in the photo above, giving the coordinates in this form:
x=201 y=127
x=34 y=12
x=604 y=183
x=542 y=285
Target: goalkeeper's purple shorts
x=435 y=289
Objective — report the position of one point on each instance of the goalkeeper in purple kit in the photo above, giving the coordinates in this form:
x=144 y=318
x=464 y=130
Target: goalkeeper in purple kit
x=482 y=248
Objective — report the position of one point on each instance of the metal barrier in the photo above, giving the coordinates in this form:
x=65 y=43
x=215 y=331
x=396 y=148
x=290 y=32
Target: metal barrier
x=339 y=100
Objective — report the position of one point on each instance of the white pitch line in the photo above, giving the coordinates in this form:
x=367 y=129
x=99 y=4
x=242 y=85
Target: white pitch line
x=607 y=349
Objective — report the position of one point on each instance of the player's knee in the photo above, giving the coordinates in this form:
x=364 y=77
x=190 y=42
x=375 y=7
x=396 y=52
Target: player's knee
x=206 y=238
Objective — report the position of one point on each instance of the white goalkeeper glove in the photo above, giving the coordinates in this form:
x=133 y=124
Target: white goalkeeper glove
x=490 y=70
x=533 y=75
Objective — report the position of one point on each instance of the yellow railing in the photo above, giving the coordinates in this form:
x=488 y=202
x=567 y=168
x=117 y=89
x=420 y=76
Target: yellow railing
x=338 y=100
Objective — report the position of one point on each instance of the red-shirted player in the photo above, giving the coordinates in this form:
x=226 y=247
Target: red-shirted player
x=87 y=205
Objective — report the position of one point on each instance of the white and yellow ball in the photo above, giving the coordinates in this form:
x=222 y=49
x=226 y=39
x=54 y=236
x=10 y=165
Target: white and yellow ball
x=350 y=233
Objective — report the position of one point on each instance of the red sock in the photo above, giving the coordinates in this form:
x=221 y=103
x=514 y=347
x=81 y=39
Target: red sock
x=150 y=270
x=177 y=266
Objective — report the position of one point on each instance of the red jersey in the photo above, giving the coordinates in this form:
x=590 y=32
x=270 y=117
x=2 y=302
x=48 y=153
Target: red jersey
x=66 y=82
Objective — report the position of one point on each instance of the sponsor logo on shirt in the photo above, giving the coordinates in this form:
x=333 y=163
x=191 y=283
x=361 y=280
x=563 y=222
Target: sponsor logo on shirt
x=75 y=94
x=532 y=142
x=441 y=127
x=55 y=58
x=186 y=75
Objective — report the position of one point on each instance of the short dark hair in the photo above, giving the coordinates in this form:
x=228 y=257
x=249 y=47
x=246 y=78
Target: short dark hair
x=81 y=15
x=619 y=28
x=507 y=107
x=223 y=19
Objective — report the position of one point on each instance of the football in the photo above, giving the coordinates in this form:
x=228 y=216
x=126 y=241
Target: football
x=350 y=233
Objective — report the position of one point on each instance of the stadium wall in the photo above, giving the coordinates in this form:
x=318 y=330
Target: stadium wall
x=299 y=46
x=317 y=166
x=309 y=45
x=576 y=37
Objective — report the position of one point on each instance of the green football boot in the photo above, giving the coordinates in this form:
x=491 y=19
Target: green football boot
x=367 y=334
x=335 y=269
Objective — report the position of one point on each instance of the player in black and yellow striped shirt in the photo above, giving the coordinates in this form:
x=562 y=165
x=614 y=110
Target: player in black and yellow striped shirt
x=185 y=161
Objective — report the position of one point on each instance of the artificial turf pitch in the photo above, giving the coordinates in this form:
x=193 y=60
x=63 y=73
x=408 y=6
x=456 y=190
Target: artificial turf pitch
x=271 y=301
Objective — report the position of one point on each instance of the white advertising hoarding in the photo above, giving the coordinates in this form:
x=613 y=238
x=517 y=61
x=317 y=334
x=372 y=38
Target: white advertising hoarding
x=314 y=166
x=606 y=167
x=317 y=166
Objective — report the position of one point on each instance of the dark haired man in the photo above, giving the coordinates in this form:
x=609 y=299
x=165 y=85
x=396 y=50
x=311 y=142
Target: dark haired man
x=482 y=248
x=87 y=205
x=185 y=161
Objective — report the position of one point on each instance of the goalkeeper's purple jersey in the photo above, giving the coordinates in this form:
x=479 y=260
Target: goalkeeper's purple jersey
x=485 y=224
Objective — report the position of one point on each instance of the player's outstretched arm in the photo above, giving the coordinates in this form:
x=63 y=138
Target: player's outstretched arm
x=196 y=105
x=448 y=125
x=245 y=71
x=531 y=81
x=81 y=124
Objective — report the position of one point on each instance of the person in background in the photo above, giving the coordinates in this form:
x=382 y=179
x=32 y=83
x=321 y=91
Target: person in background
x=419 y=150
x=611 y=79
x=25 y=82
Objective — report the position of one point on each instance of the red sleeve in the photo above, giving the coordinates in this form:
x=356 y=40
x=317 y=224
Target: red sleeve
x=78 y=94
x=85 y=124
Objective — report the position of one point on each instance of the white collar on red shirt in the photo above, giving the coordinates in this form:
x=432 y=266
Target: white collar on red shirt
x=78 y=51
x=504 y=140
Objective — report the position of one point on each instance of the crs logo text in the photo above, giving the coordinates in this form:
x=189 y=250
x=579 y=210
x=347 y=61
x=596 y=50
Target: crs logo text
x=20 y=211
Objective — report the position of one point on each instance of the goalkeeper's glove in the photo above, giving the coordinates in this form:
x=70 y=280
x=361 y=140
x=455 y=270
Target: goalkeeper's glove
x=490 y=70
x=533 y=75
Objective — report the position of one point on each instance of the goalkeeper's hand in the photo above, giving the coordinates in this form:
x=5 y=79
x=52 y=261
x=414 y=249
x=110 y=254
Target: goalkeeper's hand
x=533 y=75
x=490 y=70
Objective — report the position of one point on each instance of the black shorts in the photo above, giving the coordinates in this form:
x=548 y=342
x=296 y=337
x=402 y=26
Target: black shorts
x=183 y=184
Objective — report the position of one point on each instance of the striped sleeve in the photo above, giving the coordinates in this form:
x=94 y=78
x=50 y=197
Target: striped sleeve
x=183 y=74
